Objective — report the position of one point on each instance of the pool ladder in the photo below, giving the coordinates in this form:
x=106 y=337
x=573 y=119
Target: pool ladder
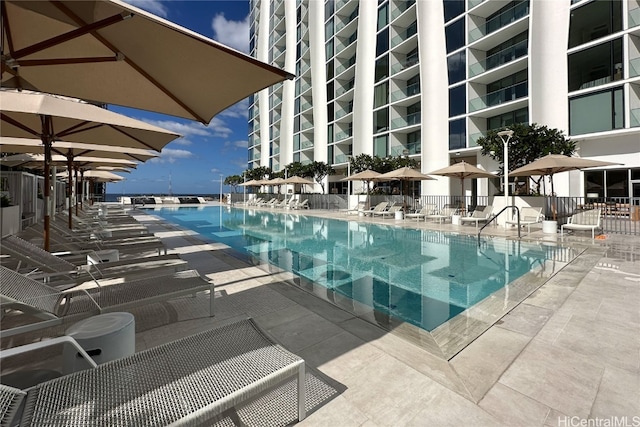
x=496 y=216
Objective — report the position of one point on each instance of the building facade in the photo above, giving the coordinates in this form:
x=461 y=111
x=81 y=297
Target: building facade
x=427 y=78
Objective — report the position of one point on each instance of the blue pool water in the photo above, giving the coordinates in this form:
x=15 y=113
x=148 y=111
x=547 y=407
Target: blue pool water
x=422 y=277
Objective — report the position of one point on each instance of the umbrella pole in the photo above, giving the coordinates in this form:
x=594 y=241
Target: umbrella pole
x=82 y=183
x=75 y=178
x=553 y=200
x=70 y=188
x=47 y=135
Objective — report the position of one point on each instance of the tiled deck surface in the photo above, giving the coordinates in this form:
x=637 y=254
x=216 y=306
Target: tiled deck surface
x=571 y=349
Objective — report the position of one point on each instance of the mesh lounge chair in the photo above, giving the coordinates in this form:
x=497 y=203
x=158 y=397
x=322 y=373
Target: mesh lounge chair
x=190 y=381
x=10 y=400
x=52 y=265
x=528 y=217
x=55 y=307
x=426 y=210
x=477 y=216
x=586 y=220
x=443 y=215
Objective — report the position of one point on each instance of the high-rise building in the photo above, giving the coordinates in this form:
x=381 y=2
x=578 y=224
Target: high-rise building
x=427 y=78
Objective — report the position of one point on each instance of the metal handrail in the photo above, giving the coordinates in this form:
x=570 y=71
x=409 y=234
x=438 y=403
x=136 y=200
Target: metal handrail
x=496 y=216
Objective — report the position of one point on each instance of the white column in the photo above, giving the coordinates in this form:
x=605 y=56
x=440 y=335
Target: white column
x=318 y=80
x=263 y=95
x=288 y=88
x=434 y=85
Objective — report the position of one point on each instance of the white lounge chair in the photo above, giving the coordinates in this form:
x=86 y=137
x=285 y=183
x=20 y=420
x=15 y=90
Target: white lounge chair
x=443 y=215
x=190 y=381
x=56 y=307
x=478 y=215
x=528 y=216
x=422 y=213
x=585 y=220
x=360 y=207
x=301 y=204
x=389 y=212
x=380 y=207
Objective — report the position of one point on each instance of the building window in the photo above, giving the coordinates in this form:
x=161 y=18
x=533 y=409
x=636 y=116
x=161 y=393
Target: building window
x=456 y=65
x=328 y=29
x=330 y=154
x=594 y=20
x=383 y=16
x=329 y=49
x=507 y=119
x=330 y=112
x=330 y=92
x=596 y=66
x=328 y=9
x=454 y=34
x=453 y=8
x=457 y=134
x=381 y=95
x=596 y=112
x=296 y=124
x=330 y=134
x=380 y=146
x=330 y=69
x=296 y=142
x=382 y=68
x=457 y=100
x=380 y=120
x=382 y=42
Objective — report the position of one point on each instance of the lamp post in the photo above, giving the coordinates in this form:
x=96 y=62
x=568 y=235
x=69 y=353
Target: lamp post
x=505 y=142
x=220 y=188
x=348 y=175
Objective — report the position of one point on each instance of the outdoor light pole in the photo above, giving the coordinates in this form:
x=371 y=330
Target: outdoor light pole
x=220 y=188
x=505 y=143
x=348 y=175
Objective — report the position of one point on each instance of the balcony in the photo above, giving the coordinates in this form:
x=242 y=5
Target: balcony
x=410 y=90
x=634 y=17
x=344 y=135
x=275 y=151
x=474 y=137
x=306 y=125
x=497 y=22
x=343 y=43
x=403 y=65
x=346 y=87
x=343 y=21
x=634 y=67
x=635 y=118
x=411 y=31
x=341 y=158
x=499 y=58
x=402 y=6
x=305 y=106
x=474 y=3
x=411 y=148
x=498 y=97
x=346 y=65
x=401 y=122
x=256 y=156
x=302 y=86
x=305 y=144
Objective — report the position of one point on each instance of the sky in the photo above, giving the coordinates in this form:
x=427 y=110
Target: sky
x=193 y=164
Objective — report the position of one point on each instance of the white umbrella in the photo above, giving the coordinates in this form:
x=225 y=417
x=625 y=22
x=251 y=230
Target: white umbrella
x=111 y=52
x=462 y=170
x=52 y=118
x=405 y=174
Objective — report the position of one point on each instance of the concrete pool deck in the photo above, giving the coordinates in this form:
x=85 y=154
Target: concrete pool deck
x=570 y=349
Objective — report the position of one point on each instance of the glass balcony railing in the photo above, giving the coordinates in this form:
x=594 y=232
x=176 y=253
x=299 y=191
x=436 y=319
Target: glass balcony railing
x=405 y=93
x=634 y=17
x=635 y=118
x=405 y=35
x=345 y=42
x=305 y=106
x=499 y=58
x=341 y=158
x=340 y=3
x=304 y=144
x=343 y=67
x=411 y=149
x=634 y=67
x=345 y=88
x=474 y=3
x=306 y=162
x=474 y=137
x=498 y=97
x=302 y=87
x=276 y=151
x=306 y=125
x=341 y=112
x=344 y=135
x=403 y=65
x=410 y=120
x=505 y=18
x=256 y=156
x=401 y=7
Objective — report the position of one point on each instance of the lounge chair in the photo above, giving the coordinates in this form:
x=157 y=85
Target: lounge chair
x=585 y=220
x=190 y=381
x=478 y=215
x=56 y=307
x=443 y=215
x=380 y=207
x=360 y=207
x=528 y=216
x=422 y=213
x=389 y=212
x=48 y=265
x=302 y=204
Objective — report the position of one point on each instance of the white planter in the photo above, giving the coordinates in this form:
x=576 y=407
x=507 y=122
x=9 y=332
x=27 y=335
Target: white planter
x=10 y=220
x=399 y=215
x=550 y=227
x=455 y=219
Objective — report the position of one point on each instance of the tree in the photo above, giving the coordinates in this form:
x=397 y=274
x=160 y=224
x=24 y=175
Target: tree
x=298 y=169
x=364 y=162
x=257 y=173
x=234 y=181
x=528 y=143
x=319 y=171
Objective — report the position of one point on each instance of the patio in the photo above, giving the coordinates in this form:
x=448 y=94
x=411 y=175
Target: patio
x=571 y=349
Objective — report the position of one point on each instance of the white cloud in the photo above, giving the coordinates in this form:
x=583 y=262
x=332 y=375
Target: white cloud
x=170 y=155
x=234 y=34
x=237 y=144
x=215 y=170
x=154 y=6
x=217 y=127
x=238 y=111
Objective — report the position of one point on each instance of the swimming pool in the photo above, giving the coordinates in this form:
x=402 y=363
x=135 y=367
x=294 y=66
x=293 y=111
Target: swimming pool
x=421 y=277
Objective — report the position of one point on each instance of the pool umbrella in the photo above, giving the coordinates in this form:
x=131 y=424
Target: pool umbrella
x=99 y=175
x=111 y=52
x=555 y=163
x=275 y=181
x=405 y=174
x=462 y=170
x=36 y=161
x=298 y=180
x=366 y=176
x=52 y=118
